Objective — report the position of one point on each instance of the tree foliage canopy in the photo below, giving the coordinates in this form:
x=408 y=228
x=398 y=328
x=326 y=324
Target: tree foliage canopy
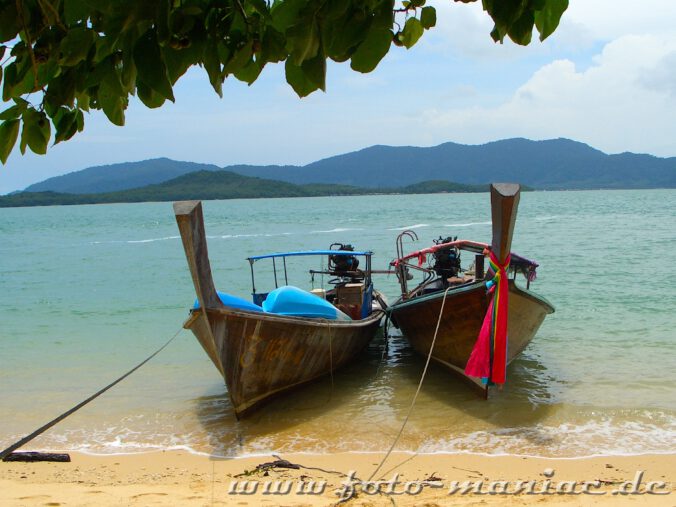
x=61 y=58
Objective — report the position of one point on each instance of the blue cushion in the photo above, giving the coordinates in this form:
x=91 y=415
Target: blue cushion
x=295 y=302
x=233 y=302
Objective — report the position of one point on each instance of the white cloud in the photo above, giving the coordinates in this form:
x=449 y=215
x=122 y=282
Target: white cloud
x=624 y=102
x=611 y=19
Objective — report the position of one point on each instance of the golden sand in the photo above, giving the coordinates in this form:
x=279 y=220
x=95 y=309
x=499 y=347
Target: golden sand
x=180 y=478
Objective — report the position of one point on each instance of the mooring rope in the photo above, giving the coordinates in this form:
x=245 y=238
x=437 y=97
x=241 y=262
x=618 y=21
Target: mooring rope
x=77 y=407
x=415 y=396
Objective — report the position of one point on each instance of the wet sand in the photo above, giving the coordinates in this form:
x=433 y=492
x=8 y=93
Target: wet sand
x=181 y=478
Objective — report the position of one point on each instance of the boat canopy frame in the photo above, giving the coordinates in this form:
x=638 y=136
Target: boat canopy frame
x=283 y=255
x=519 y=264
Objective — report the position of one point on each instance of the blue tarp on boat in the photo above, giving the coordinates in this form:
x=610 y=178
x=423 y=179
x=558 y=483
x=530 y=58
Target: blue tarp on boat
x=288 y=300
x=233 y=302
x=295 y=302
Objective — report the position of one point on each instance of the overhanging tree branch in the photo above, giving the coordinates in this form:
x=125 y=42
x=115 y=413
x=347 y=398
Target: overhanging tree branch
x=78 y=55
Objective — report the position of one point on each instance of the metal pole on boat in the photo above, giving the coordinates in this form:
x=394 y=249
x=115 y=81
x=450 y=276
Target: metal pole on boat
x=479 y=267
x=253 y=282
x=274 y=268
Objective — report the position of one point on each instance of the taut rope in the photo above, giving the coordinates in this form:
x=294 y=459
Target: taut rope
x=415 y=397
x=77 y=407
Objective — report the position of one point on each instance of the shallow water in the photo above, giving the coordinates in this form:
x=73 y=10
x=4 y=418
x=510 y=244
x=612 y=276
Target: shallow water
x=86 y=292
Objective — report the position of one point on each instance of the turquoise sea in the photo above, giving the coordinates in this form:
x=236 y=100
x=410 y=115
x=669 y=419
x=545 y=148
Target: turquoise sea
x=86 y=292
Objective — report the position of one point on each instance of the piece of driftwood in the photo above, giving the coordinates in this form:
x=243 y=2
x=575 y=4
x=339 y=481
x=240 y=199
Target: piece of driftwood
x=280 y=463
x=31 y=457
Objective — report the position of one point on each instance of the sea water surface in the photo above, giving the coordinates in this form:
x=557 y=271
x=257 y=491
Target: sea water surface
x=87 y=292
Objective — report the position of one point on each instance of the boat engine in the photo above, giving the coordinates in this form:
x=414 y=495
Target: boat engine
x=340 y=265
x=446 y=260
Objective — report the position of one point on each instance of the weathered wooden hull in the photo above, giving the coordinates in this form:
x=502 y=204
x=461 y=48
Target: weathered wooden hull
x=262 y=355
x=463 y=315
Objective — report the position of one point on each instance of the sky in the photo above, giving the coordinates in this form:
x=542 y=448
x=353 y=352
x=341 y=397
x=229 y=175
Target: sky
x=606 y=77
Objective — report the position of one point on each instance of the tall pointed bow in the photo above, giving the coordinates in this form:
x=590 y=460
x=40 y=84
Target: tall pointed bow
x=489 y=356
x=190 y=222
x=504 y=205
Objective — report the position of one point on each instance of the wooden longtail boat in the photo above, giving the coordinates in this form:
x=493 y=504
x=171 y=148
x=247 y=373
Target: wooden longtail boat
x=262 y=354
x=417 y=311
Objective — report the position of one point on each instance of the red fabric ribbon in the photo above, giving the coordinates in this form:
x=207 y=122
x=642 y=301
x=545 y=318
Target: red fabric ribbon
x=489 y=356
x=422 y=258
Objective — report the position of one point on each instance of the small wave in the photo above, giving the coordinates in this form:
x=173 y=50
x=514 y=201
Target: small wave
x=232 y=236
x=152 y=240
x=594 y=438
x=235 y=236
x=563 y=441
x=468 y=224
x=149 y=240
x=416 y=226
x=542 y=219
x=337 y=229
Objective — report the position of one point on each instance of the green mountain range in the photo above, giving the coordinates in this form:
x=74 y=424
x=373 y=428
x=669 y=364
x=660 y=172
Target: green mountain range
x=222 y=185
x=551 y=164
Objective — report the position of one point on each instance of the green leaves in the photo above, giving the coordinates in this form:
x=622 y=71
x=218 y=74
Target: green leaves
x=75 y=10
x=377 y=42
x=9 y=131
x=67 y=123
x=413 y=30
x=152 y=71
x=547 y=19
x=521 y=31
x=307 y=77
x=303 y=41
x=9 y=21
x=516 y=18
x=15 y=111
x=428 y=17
x=112 y=103
x=36 y=131
x=372 y=50
x=75 y=46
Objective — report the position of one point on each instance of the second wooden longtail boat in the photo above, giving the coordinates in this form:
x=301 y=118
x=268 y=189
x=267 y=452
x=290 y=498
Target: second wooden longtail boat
x=466 y=298
x=285 y=338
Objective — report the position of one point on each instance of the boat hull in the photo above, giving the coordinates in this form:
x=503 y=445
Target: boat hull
x=461 y=321
x=261 y=356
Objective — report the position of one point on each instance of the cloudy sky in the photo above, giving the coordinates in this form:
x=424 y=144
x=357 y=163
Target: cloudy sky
x=606 y=77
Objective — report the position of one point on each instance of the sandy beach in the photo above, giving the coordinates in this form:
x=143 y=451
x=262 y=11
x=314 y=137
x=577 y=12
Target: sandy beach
x=181 y=478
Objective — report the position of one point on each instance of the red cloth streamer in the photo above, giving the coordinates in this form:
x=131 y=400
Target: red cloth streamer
x=492 y=340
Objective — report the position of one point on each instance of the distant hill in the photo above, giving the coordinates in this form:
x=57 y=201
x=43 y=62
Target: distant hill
x=109 y=178
x=221 y=185
x=551 y=164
